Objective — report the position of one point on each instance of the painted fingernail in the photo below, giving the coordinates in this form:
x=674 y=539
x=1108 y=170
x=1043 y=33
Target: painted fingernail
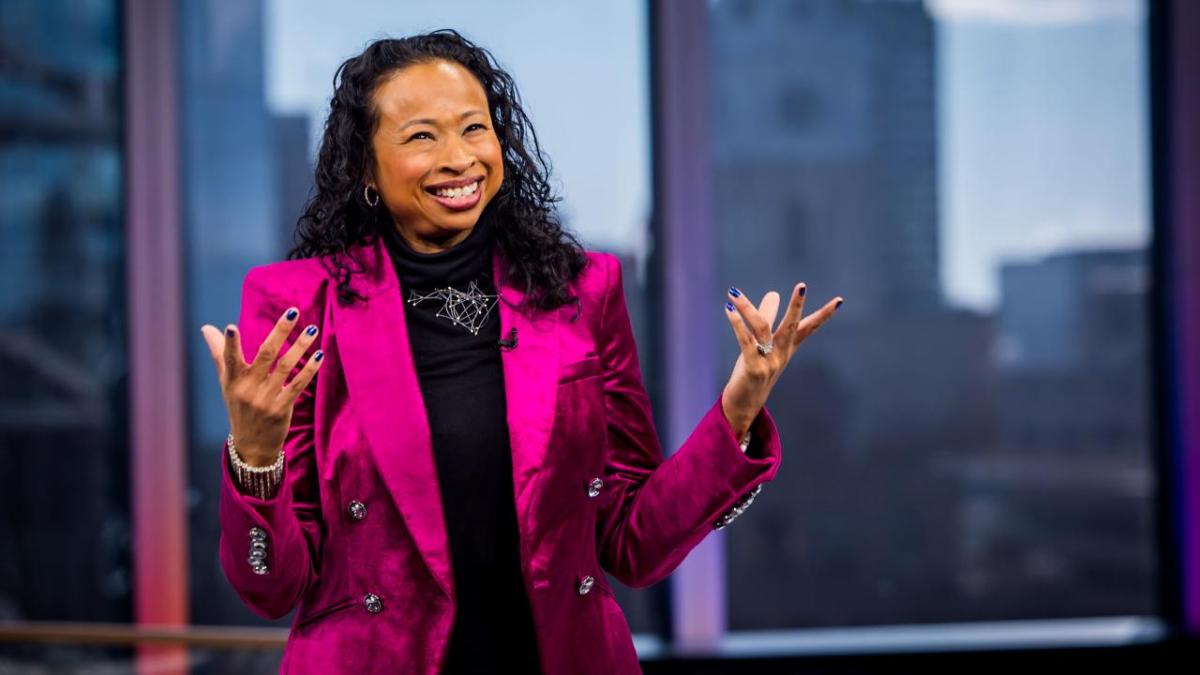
x=839 y=303
x=311 y=330
x=291 y=314
x=319 y=355
x=802 y=290
x=734 y=292
x=229 y=332
x=729 y=306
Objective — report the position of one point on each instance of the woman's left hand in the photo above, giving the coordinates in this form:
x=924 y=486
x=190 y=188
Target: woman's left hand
x=755 y=374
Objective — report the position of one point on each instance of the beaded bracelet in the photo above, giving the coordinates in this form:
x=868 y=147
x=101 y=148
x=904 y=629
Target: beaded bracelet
x=261 y=481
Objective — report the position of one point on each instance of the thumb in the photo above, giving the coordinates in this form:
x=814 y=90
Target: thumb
x=216 y=347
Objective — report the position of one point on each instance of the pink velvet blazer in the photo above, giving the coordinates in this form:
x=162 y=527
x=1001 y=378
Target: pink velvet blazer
x=355 y=536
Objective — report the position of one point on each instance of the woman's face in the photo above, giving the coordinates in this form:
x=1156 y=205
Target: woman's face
x=434 y=133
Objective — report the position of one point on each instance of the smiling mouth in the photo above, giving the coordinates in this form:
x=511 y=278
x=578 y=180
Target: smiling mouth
x=456 y=193
x=459 y=199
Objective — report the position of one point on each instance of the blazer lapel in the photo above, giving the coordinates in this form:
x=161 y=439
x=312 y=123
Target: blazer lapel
x=531 y=392
x=382 y=380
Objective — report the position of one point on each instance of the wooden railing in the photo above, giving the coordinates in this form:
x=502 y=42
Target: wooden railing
x=116 y=634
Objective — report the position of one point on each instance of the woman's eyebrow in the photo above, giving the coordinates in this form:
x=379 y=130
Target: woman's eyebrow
x=426 y=120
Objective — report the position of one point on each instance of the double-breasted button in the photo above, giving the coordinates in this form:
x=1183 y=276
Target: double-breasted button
x=373 y=603
x=357 y=509
x=585 y=584
x=594 y=487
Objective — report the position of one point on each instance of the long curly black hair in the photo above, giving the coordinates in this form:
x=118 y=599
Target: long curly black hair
x=541 y=255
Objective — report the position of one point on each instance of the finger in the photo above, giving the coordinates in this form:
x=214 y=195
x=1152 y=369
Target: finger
x=300 y=382
x=787 y=327
x=758 y=325
x=264 y=360
x=216 y=348
x=818 y=318
x=289 y=360
x=740 y=331
x=768 y=309
x=235 y=363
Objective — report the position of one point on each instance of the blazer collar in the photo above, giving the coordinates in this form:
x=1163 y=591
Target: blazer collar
x=382 y=382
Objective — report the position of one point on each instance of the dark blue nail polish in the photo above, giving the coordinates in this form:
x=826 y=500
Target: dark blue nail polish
x=311 y=330
x=734 y=292
x=729 y=306
x=319 y=355
x=839 y=303
x=291 y=314
x=802 y=289
x=228 y=332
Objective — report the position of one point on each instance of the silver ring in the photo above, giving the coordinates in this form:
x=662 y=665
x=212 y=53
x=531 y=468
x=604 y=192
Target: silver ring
x=764 y=349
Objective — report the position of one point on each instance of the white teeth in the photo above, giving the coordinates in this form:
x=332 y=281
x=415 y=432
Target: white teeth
x=454 y=193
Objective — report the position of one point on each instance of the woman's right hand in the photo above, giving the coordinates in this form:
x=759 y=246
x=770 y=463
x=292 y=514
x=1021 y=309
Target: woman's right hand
x=260 y=402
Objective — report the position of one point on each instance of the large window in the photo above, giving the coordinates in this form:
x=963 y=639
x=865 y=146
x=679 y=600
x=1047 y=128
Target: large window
x=969 y=439
x=64 y=491
x=63 y=459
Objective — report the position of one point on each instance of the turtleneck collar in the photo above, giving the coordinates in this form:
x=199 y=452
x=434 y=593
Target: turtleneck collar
x=456 y=266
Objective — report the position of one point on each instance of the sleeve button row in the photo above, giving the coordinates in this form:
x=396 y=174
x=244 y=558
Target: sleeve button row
x=739 y=508
x=258 y=551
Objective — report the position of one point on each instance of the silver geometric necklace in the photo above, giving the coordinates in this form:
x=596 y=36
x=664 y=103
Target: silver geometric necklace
x=469 y=309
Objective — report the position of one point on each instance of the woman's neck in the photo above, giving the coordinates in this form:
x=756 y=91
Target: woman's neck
x=425 y=245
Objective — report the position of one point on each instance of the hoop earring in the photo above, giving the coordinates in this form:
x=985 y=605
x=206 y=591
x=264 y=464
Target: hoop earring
x=367 y=196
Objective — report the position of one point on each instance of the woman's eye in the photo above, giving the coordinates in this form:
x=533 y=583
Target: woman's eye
x=426 y=134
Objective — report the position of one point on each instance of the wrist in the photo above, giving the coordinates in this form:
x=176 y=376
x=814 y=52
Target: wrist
x=254 y=455
x=738 y=425
x=261 y=481
x=257 y=459
x=741 y=432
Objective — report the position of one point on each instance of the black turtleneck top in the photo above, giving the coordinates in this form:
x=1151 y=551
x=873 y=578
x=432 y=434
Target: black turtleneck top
x=451 y=312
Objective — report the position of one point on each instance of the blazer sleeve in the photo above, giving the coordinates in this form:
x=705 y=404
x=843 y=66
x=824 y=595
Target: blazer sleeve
x=657 y=511
x=288 y=523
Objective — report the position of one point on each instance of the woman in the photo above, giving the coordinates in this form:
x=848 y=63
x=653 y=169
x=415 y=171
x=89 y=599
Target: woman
x=447 y=496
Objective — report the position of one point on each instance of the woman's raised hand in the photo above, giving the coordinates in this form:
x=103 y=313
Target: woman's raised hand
x=755 y=374
x=260 y=402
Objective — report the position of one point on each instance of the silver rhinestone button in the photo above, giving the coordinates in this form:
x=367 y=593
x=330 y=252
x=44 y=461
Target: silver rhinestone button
x=594 y=487
x=257 y=534
x=372 y=602
x=357 y=509
x=586 y=585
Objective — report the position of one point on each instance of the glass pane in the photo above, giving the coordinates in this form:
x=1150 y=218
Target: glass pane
x=63 y=405
x=968 y=438
x=257 y=79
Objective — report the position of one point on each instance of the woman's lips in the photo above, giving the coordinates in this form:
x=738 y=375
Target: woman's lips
x=460 y=203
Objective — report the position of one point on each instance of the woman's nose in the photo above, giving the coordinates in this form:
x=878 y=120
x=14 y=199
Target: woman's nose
x=458 y=157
